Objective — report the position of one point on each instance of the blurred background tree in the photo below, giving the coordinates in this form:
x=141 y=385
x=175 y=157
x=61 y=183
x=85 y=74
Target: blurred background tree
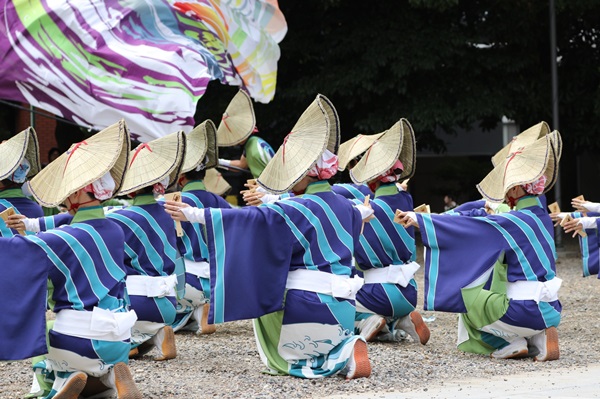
x=439 y=63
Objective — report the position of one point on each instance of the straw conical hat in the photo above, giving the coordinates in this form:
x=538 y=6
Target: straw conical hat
x=238 y=121
x=201 y=145
x=215 y=183
x=82 y=164
x=354 y=147
x=523 y=165
x=556 y=142
x=408 y=155
x=334 y=126
x=152 y=162
x=523 y=139
x=12 y=151
x=398 y=142
x=300 y=149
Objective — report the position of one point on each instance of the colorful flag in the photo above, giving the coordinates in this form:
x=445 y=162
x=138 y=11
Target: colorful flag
x=148 y=61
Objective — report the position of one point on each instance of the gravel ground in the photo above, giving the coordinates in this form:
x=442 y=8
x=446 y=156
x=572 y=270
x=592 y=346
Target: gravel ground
x=227 y=365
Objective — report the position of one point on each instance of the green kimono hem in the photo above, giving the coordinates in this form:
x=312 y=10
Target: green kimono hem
x=268 y=332
x=485 y=307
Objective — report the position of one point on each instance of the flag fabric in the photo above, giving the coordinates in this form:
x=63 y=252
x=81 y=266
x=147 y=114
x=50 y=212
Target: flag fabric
x=148 y=61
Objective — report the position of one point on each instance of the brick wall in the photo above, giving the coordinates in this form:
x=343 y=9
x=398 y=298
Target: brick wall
x=44 y=127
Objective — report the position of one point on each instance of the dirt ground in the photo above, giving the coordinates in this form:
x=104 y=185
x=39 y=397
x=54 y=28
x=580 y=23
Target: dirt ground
x=227 y=365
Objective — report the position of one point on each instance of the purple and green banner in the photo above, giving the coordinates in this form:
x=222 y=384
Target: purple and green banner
x=148 y=61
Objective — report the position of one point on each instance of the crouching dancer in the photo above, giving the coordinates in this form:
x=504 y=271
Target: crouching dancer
x=201 y=156
x=385 y=305
x=151 y=244
x=88 y=343
x=498 y=271
x=301 y=249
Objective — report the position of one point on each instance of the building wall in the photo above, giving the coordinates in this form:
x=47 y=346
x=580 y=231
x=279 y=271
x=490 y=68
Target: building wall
x=44 y=127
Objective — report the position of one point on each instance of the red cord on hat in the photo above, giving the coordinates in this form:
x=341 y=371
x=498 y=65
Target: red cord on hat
x=225 y=116
x=283 y=145
x=72 y=152
x=512 y=156
x=137 y=151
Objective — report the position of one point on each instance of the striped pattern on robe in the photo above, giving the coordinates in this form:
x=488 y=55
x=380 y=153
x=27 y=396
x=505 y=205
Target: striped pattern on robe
x=352 y=191
x=150 y=250
x=22 y=206
x=84 y=262
x=384 y=243
x=150 y=239
x=253 y=248
x=54 y=221
x=193 y=244
x=590 y=247
x=461 y=251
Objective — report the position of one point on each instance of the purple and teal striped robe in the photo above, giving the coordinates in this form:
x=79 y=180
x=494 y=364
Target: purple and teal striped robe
x=471 y=208
x=150 y=250
x=590 y=247
x=352 y=191
x=192 y=245
x=84 y=262
x=14 y=198
x=385 y=243
x=462 y=253
x=251 y=252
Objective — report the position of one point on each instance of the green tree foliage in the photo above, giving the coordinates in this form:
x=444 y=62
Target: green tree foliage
x=438 y=63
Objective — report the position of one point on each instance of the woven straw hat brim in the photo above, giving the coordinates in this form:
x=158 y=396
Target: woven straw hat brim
x=215 y=183
x=212 y=150
x=300 y=150
x=152 y=162
x=33 y=153
x=238 y=121
x=334 y=125
x=354 y=147
x=525 y=165
x=557 y=144
x=552 y=170
x=408 y=155
x=523 y=139
x=82 y=164
x=197 y=145
x=13 y=150
x=398 y=142
x=380 y=156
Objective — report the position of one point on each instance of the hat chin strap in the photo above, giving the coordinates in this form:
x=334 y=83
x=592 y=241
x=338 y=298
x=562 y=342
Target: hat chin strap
x=75 y=207
x=10 y=185
x=512 y=201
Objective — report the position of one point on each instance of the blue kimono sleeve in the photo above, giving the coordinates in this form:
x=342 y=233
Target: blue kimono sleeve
x=54 y=221
x=472 y=208
x=459 y=252
x=590 y=247
x=23 y=290
x=250 y=251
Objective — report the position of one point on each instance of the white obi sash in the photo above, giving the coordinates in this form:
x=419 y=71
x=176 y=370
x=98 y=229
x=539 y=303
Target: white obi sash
x=534 y=290
x=199 y=269
x=394 y=274
x=323 y=283
x=99 y=324
x=160 y=286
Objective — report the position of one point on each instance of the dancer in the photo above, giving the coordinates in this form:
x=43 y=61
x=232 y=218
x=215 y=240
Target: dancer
x=385 y=305
x=501 y=275
x=88 y=343
x=303 y=245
